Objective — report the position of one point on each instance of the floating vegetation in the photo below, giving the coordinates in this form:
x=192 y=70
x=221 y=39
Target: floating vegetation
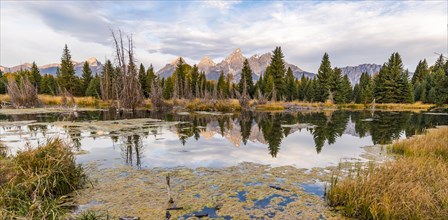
x=37 y=183
x=237 y=192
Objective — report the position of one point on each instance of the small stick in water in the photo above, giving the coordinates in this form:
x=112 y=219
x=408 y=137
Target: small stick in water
x=171 y=201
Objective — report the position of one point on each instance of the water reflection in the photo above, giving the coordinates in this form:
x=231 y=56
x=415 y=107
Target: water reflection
x=305 y=139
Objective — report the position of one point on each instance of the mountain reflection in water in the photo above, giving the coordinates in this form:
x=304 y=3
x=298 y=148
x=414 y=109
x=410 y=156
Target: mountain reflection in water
x=303 y=139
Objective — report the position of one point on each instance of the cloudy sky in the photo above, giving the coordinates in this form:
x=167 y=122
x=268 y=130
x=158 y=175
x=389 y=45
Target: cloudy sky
x=352 y=32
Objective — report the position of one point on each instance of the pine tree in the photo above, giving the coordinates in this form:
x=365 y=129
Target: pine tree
x=3 y=83
x=94 y=87
x=246 y=76
x=324 y=79
x=86 y=77
x=344 y=90
x=277 y=71
x=421 y=71
x=290 y=89
x=168 y=88
x=67 y=78
x=150 y=77
x=365 y=89
x=356 y=96
x=179 y=79
x=49 y=85
x=195 y=81
x=391 y=84
x=35 y=77
x=142 y=78
x=221 y=86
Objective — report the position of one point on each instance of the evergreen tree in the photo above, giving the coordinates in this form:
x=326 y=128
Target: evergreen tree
x=324 y=79
x=421 y=71
x=221 y=87
x=168 y=88
x=179 y=79
x=290 y=85
x=48 y=85
x=67 y=78
x=3 y=83
x=441 y=86
x=277 y=71
x=35 y=77
x=195 y=81
x=302 y=87
x=365 y=89
x=439 y=65
x=246 y=76
x=86 y=77
x=344 y=90
x=94 y=87
x=391 y=84
x=142 y=78
x=356 y=96
x=150 y=77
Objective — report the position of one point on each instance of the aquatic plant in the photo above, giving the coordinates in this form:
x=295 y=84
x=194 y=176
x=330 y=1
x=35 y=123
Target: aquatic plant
x=37 y=181
x=412 y=187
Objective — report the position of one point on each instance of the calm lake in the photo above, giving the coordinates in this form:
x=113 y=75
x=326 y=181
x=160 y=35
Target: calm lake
x=147 y=139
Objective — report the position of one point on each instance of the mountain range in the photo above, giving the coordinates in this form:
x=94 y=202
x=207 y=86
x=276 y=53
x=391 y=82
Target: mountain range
x=232 y=64
x=94 y=65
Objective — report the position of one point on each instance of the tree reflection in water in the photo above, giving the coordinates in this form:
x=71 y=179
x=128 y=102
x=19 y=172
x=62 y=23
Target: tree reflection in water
x=326 y=127
x=132 y=149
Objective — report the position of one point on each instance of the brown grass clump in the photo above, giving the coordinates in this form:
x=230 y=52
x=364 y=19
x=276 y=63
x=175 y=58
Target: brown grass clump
x=36 y=181
x=434 y=144
x=223 y=105
x=413 y=187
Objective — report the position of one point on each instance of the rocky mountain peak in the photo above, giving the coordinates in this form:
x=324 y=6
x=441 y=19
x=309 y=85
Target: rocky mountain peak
x=92 y=61
x=175 y=61
x=235 y=56
x=206 y=62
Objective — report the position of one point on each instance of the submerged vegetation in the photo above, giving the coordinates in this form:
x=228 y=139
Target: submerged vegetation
x=37 y=183
x=413 y=187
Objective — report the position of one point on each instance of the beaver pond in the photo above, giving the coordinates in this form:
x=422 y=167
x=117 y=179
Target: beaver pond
x=252 y=165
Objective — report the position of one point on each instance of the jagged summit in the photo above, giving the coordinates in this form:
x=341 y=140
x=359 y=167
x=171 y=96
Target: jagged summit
x=206 y=61
x=176 y=61
x=233 y=64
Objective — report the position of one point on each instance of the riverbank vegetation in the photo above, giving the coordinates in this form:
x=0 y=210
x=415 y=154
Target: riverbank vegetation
x=412 y=187
x=126 y=85
x=37 y=182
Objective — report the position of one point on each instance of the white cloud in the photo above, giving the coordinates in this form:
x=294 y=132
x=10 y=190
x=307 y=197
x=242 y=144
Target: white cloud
x=351 y=32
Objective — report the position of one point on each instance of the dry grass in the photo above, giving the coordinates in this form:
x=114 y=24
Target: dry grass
x=271 y=106
x=36 y=181
x=413 y=187
x=433 y=144
x=224 y=105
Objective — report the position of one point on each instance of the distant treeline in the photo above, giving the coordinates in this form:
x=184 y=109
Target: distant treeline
x=429 y=84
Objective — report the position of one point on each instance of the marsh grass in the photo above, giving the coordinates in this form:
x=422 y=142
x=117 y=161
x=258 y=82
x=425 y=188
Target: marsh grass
x=223 y=105
x=36 y=182
x=412 y=187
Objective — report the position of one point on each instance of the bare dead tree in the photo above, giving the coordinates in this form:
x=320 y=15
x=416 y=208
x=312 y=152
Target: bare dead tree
x=129 y=92
x=67 y=98
x=243 y=97
x=156 y=95
x=23 y=94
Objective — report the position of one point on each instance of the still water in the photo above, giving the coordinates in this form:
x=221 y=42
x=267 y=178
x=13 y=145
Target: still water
x=147 y=139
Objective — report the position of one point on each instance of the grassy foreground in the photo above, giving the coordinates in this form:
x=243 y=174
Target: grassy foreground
x=412 y=187
x=36 y=183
